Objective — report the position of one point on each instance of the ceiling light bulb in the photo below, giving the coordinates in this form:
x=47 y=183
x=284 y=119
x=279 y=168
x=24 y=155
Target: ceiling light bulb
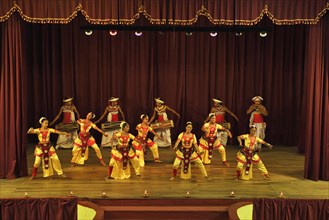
x=213 y=34
x=188 y=34
x=138 y=33
x=88 y=32
x=113 y=33
x=263 y=33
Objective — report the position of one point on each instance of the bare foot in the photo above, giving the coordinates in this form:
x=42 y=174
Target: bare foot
x=32 y=178
x=172 y=178
x=108 y=178
x=266 y=176
x=73 y=164
x=158 y=161
x=102 y=162
x=225 y=163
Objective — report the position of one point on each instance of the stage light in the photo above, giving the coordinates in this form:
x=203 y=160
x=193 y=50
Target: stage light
x=145 y=194
x=263 y=33
x=71 y=193
x=88 y=32
x=282 y=196
x=213 y=34
x=26 y=195
x=138 y=33
x=104 y=195
x=232 y=194
x=238 y=34
x=188 y=195
x=113 y=33
x=188 y=34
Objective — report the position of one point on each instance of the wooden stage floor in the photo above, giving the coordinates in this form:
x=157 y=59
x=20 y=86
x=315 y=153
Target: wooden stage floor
x=284 y=164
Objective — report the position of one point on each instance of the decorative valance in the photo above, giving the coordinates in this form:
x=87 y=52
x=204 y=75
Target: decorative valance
x=167 y=12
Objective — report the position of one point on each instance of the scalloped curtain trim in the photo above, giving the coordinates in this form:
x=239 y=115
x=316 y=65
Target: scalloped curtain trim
x=155 y=21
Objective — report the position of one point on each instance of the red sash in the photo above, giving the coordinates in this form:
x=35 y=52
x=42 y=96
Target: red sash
x=160 y=118
x=115 y=117
x=84 y=137
x=187 y=152
x=67 y=117
x=258 y=118
x=45 y=153
x=124 y=153
x=249 y=154
x=220 y=118
x=211 y=141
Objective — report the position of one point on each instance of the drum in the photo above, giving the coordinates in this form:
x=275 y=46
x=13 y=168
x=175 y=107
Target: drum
x=226 y=125
x=162 y=125
x=67 y=127
x=110 y=126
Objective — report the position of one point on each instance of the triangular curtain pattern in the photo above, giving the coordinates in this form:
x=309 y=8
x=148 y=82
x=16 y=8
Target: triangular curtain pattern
x=125 y=12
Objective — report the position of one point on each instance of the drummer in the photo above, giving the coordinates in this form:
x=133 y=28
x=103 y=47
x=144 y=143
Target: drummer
x=112 y=110
x=160 y=111
x=219 y=109
x=69 y=112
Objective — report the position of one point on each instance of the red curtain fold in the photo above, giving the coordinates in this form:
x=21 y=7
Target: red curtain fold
x=34 y=208
x=290 y=209
x=184 y=72
x=315 y=108
x=12 y=101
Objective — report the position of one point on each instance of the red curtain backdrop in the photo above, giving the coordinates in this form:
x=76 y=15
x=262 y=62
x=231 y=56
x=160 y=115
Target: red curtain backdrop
x=42 y=63
x=290 y=209
x=31 y=208
x=13 y=114
x=315 y=113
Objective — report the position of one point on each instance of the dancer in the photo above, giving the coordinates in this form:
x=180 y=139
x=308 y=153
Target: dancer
x=257 y=112
x=69 y=111
x=209 y=141
x=160 y=111
x=44 y=151
x=143 y=142
x=219 y=109
x=112 y=111
x=81 y=143
x=119 y=167
x=248 y=156
x=188 y=153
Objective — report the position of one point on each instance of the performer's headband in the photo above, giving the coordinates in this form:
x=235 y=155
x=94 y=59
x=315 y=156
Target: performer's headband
x=123 y=124
x=158 y=100
x=42 y=119
x=252 y=126
x=67 y=99
x=144 y=116
x=188 y=123
x=217 y=100
x=113 y=99
x=211 y=115
x=92 y=115
x=257 y=98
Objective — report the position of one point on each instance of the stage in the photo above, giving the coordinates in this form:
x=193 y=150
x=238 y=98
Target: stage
x=178 y=199
x=284 y=164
